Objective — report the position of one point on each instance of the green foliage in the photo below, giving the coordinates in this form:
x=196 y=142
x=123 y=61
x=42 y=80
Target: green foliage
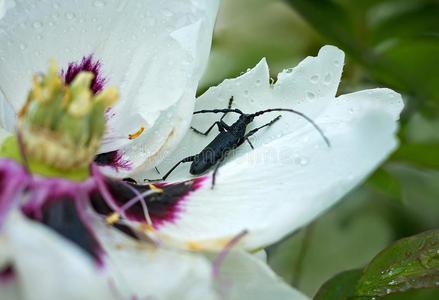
x=340 y=287
x=392 y=43
x=409 y=264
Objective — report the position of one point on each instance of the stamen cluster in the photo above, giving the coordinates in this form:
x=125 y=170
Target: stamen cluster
x=61 y=124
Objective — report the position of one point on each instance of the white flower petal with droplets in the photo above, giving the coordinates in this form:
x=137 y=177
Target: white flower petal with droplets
x=49 y=267
x=143 y=271
x=153 y=51
x=243 y=276
x=5 y=5
x=291 y=176
x=130 y=269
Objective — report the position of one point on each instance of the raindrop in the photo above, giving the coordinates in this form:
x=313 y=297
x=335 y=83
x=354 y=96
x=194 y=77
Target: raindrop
x=99 y=4
x=246 y=92
x=327 y=79
x=290 y=70
x=39 y=37
x=252 y=100
x=302 y=161
x=351 y=110
x=258 y=82
x=22 y=46
x=336 y=62
x=70 y=15
x=310 y=95
x=315 y=78
x=37 y=25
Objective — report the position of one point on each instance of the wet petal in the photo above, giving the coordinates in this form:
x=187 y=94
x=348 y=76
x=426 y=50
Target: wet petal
x=68 y=272
x=292 y=175
x=154 y=51
x=244 y=276
x=142 y=270
x=305 y=88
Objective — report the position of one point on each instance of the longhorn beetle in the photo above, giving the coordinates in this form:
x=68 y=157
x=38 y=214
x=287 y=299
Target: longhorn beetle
x=229 y=138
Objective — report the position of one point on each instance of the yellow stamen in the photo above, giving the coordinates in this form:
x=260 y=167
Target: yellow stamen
x=154 y=188
x=113 y=218
x=136 y=134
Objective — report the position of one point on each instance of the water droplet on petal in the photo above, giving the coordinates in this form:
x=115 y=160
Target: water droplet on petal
x=70 y=15
x=99 y=3
x=315 y=78
x=302 y=161
x=336 y=62
x=310 y=95
x=328 y=78
x=37 y=25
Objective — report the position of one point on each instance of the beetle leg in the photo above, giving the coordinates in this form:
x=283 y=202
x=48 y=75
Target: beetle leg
x=252 y=132
x=184 y=160
x=218 y=164
x=221 y=127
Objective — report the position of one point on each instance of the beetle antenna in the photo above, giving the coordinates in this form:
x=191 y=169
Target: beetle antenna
x=218 y=111
x=328 y=143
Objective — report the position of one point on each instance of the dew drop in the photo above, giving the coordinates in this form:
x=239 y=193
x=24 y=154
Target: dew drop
x=302 y=161
x=336 y=62
x=310 y=95
x=99 y=3
x=315 y=78
x=258 y=82
x=70 y=15
x=246 y=92
x=22 y=46
x=37 y=25
x=328 y=79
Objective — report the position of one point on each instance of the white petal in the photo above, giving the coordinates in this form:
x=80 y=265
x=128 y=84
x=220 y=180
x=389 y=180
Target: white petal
x=252 y=92
x=291 y=176
x=49 y=267
x=5 y=5
x=243 y=276
x=3 y=135
x=141 y=270
x=153 y=51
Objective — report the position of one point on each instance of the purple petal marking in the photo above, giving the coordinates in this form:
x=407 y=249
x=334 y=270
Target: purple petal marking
x=164 y=207
x=13 y=178
x=61 y=205
x=7 y=274
x=89 y=64
x=113 y=159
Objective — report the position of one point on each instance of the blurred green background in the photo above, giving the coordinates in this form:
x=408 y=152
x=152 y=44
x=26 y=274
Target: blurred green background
x=391 y=43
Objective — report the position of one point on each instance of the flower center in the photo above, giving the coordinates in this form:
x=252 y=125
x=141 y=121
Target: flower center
x=63 y=120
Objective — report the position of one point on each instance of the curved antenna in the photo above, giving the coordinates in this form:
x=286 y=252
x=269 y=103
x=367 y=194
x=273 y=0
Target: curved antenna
x=218 y=111
x=328 y=143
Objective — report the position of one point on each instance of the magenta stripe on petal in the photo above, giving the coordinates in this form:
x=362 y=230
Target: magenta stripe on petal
x=163 y=207
x=7 y=274
x=88 y=64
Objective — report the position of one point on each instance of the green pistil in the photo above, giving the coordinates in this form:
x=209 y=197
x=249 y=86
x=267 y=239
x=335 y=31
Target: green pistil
x=10 y=149
x=61 y=126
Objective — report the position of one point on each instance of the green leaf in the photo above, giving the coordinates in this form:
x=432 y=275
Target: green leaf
x=423 y=155
x=341 y=287
x=410 y=263
x=386 y=183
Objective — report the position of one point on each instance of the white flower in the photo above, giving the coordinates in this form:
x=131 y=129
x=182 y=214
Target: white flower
x=156 y=51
